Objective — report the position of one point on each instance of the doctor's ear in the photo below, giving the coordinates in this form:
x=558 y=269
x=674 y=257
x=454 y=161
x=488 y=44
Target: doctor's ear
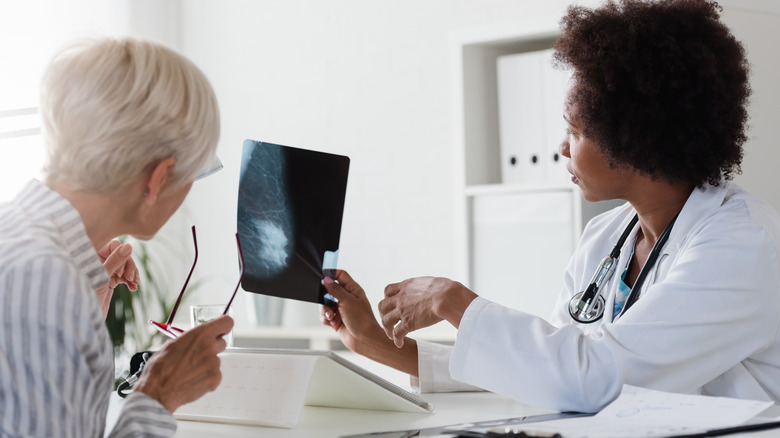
x=157 y=178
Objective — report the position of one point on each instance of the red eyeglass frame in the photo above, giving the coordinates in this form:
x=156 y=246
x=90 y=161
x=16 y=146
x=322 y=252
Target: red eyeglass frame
x=174 y=332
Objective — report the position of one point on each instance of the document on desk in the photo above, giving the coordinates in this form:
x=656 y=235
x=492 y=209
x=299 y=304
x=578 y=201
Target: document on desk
x=645 y=413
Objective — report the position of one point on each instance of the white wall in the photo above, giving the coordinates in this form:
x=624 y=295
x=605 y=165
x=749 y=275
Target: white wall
x=371 y=80
x=760 y=32
x=367 y=79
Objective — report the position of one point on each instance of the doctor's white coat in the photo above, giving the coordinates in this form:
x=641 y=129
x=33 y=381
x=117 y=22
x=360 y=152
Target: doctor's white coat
x=707 y=321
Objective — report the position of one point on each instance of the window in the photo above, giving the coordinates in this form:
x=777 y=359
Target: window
x=30 y=32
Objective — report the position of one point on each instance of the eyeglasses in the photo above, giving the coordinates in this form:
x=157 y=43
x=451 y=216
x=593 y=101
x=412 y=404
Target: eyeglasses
x=213 y=166
x=167 y=328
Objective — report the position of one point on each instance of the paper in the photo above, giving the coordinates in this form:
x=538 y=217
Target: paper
x=271 y=395
x=639 y=412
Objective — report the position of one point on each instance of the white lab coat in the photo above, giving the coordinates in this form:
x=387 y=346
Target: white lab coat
x=707 y=321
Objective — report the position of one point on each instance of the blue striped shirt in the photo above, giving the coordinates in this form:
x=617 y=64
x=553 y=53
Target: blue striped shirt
x=56 y=360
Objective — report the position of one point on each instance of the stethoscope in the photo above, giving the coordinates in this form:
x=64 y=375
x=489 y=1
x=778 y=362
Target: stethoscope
x=588 y=306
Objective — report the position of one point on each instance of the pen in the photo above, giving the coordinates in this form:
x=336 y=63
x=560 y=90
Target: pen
x=507 y=433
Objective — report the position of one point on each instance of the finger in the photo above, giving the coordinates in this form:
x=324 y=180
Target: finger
x=335 y=289
x=399 y=333
x=217 y=327
x=118 y=258
x=392 y=289
x=221 y=344
x=389 y=320
x=108 y=248
x=385 y=306
x=349 y=284
x=326 y=313
x=130 y=271
x=336 y=322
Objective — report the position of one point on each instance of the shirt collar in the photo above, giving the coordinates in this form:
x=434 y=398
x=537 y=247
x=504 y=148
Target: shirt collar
x=50 y=207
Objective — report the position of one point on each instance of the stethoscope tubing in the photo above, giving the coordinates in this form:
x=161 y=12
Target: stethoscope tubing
x=588 y=306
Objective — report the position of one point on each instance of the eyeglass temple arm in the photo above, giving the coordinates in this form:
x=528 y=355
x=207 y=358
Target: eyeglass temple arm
x=184 y=288
x=241 y=275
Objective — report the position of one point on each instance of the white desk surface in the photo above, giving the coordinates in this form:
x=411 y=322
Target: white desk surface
x=450 y=408
x=453 y=408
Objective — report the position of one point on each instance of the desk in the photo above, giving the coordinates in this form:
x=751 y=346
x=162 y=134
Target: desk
x=450 y=408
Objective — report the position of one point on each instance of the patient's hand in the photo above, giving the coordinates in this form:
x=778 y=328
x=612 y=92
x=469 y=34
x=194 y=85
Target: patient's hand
x=121 y=269
x=186 y=368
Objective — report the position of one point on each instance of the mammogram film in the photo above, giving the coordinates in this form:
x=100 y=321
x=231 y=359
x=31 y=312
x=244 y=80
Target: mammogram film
x=290 y=208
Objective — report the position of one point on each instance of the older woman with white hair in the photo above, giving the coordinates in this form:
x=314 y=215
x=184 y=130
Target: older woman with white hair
x=129 y=125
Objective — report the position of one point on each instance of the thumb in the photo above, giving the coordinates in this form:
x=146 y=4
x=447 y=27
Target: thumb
x=335 y=289
x=118 y=258
x=399 y=333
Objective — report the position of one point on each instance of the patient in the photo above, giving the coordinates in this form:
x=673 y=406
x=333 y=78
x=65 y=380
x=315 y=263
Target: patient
x=128 y=125
x=656 y=115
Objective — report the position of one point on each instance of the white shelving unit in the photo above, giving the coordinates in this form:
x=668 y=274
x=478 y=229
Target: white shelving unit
x=515 y=239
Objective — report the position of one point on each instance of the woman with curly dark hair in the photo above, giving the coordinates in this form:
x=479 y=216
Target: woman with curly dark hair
x=656 y=114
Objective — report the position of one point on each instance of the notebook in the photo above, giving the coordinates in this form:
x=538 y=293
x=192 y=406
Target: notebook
x=270 y=387
x=290 y=208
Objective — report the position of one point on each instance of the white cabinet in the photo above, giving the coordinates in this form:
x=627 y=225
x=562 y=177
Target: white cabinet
x=519 y=224
x=521 y=243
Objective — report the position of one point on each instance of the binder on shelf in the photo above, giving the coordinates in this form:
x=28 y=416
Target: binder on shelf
x=520 y=118
x=554 y=85
x=531 y=95
x=270 y=387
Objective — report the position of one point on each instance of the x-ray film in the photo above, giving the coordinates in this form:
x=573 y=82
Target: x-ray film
x=290 y=207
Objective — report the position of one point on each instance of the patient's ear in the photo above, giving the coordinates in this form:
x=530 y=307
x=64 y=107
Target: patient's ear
x=157 y=179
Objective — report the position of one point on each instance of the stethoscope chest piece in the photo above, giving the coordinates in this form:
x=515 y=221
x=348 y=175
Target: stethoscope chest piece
x=588 y=306
x=580 y=312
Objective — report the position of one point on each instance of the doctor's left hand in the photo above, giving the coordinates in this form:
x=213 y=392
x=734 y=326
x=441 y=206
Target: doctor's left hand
x=421 y=302
x=121 y=269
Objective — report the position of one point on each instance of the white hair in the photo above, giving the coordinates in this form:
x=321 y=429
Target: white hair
x=114 y=108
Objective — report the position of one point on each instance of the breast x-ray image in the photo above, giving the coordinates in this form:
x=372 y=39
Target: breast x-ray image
x=290 y=207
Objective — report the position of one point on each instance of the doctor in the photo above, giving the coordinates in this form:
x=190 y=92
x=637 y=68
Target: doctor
x=656 y=115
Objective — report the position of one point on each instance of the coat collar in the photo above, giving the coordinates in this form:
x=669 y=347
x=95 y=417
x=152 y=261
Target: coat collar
x=700 y=203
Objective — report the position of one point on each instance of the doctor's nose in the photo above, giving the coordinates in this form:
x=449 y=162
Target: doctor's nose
x=563 y=148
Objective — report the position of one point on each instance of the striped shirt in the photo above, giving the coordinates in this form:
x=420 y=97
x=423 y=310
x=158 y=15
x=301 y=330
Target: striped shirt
x=56 y=360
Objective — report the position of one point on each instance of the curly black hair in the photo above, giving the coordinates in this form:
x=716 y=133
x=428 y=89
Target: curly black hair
x=662 y=86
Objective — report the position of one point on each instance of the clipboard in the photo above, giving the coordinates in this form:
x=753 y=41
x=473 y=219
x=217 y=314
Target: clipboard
x=270 y=387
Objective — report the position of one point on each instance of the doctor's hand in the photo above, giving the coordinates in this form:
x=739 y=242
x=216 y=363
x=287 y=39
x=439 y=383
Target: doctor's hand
x=421 y=302
x=187 y=367
x=359 y=330
x=121 y=269
x=352 y=318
